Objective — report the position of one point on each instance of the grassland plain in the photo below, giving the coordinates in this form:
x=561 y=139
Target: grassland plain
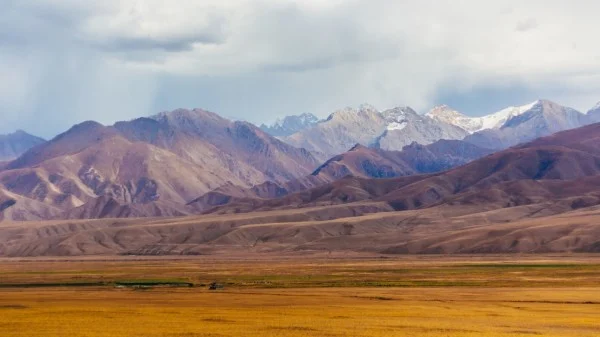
x=408 y=296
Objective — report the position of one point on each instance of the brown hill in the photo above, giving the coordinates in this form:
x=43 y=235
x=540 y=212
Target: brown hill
x=360 y=228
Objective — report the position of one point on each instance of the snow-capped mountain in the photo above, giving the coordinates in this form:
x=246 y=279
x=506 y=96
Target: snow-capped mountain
x=395 y=128
x=521 y=124
x=444 y=113
x=390 y=130
x=290 y=124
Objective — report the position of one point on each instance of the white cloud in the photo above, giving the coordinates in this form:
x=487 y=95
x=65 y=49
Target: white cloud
x=256 y=59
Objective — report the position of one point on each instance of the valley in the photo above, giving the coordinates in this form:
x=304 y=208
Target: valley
x=360 y=295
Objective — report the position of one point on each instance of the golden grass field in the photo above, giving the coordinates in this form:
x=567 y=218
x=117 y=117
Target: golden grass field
x=407 y=296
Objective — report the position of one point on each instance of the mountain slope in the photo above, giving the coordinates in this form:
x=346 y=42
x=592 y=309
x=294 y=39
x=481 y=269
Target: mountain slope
x=14 y=144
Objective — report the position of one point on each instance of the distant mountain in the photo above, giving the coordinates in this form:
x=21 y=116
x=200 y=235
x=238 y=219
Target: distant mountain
x=14 y=144
x=290 y=125
x=389 y=130
x=594 y=113
x=523 y=124
x=395 y=128
x=161 y=162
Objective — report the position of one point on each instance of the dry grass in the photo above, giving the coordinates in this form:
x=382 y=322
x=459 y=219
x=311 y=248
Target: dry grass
x=403 y=297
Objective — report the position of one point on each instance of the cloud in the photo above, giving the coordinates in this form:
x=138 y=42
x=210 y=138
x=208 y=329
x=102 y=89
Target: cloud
x=65 y=61
x=526 y=25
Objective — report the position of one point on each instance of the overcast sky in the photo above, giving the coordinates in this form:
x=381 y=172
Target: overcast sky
x=66 y=61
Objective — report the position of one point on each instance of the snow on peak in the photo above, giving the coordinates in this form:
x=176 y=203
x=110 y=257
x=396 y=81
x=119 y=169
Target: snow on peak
x=445 y=114
x=496 y=120
x=397 y=125
x=596 y=107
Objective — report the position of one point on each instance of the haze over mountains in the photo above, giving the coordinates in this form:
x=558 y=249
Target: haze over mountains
x=187 y=162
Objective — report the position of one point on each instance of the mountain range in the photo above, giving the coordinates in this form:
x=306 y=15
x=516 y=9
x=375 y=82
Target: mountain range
x=393 y=129
x=360 y=174
x=541 y=196
x=389 y=130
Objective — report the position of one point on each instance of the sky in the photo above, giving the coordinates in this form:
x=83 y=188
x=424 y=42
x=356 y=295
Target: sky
x=64 y=62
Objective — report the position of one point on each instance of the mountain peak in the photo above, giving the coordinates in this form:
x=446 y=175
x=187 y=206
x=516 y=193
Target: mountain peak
x=183 y=114
x=358 y=147
x=443 y=110
x=83 y=127
x=290 y=124
x=366 y=107
x=445 y=114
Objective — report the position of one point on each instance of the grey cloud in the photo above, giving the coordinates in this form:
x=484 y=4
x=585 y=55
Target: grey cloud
x=212 y=33
x=527 y=25
x=308 y=41
x=176 y=44
x=65 y=61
